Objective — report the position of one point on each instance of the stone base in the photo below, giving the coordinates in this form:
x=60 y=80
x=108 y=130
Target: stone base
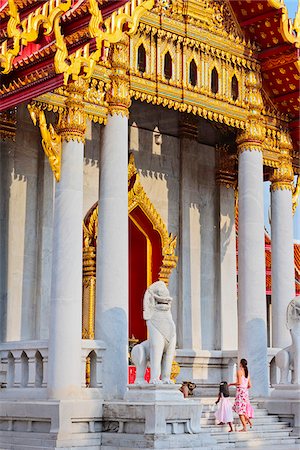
x=117 y=441
x=154 y=417
x=286 y=391
x=44 y=425
x=153 y=393
x=285 y=402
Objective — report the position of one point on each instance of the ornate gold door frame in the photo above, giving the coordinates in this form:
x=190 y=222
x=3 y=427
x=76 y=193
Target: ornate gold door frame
x=137 y=198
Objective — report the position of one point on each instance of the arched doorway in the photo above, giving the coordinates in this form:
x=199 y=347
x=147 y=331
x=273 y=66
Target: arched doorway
x=151 y=256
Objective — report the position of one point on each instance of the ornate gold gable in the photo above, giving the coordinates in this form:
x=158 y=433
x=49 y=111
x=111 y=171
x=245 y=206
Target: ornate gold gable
x=137 y=197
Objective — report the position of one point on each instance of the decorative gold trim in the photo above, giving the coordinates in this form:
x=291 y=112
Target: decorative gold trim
x=149 y=250
x=175 y=371
x=51 y=141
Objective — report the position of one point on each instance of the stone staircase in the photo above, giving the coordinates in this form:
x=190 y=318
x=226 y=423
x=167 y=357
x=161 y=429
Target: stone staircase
x=268 y=430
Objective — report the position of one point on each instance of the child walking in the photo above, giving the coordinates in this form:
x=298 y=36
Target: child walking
x=224 y=412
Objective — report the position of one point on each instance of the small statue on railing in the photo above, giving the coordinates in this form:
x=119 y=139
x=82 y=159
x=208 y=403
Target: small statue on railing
x=289 y=357
x=159 y=348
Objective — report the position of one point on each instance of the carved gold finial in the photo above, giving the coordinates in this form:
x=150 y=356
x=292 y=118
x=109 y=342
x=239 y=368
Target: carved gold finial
x=51 y=141
x=72 y=122
x=252 y=136
x=118 y=97
x=283 y=176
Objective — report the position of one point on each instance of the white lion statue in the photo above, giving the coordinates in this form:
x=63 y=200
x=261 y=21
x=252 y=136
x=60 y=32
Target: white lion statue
x=159 y=348
x=289 y=357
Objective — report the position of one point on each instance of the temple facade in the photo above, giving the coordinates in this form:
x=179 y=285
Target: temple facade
x=136 y=139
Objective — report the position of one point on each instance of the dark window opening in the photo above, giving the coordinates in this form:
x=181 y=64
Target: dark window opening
x=141 y=62
x=193 y=73
x=234 y=88
x=168 y=66
x=214 y=85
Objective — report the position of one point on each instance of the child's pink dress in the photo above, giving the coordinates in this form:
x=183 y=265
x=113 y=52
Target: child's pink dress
x=224 y=411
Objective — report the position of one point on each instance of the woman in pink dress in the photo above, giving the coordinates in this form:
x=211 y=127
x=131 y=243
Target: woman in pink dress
x=242 y=404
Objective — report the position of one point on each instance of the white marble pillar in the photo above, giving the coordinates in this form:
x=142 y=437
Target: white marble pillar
x=111 y=321
x=228 y=274
x=252 y=328
x=64 y=365
x=283 y=272
x=189 y=308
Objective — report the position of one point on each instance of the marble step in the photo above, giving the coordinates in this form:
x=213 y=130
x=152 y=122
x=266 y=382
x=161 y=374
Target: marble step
x=264 y=427
x=265 y=446
x=249 y=436
x=213 y=408
x=271 y=444
x=260 y=419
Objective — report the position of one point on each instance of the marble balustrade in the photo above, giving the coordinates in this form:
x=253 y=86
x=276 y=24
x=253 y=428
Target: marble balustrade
x=24 y=365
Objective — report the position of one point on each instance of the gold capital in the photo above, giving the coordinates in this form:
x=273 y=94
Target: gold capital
x=283 y=176
x=72 y=121
x=118 y=97
x=252 y=136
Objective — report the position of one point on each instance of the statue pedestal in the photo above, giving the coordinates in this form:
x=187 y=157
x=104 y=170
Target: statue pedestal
x=286 y=391
x=154 y=416
x=153 y=393
x=285 y=401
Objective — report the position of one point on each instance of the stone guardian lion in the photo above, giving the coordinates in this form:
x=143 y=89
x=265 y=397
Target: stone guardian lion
x=159 y=348
x=289 y=358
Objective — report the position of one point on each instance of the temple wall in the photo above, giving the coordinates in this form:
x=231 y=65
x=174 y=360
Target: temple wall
x=188 y=206
x=91 y=166
x=19 y=163
x=193 y=219
x=159 y=170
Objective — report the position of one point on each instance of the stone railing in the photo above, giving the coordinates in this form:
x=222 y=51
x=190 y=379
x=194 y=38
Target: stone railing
x=208 y=367
x=24 y=366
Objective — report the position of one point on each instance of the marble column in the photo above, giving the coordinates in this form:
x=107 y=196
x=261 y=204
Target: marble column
x=111 y=322
x=252 y=328
x=189 y=316
x=64 y=363
x=228 y=273
x=283 y=272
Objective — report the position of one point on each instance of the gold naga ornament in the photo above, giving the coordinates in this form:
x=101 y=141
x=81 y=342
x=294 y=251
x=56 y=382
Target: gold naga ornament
x=43 y=18
x=51 y=140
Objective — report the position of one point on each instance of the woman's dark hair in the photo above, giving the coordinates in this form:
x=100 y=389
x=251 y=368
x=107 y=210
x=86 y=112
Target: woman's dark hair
x=224 y=389
x=244 y=365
